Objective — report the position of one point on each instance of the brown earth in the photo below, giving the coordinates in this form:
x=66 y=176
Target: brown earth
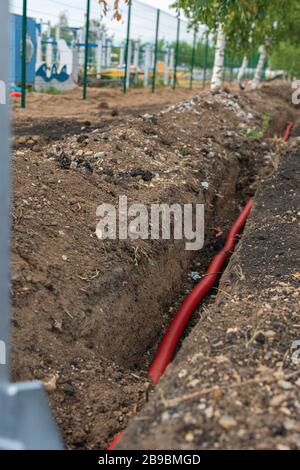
x=88 y=314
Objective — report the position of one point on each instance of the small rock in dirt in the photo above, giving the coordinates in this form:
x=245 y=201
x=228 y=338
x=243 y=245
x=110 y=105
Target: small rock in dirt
x=81 y=138
x=99 y=154
x=87 y=166
x=182 y=373
x=189 y=437
x=115 y=112
x=291 y=425
x=50 y=383
x=165 y=416
x=205 y=185
x=232 y=335
x=260 y=338
x=277 y=400
x=22 y=140
x=209 y=412
x=145 y=174
x=147 y=116
x=166 y=141
x=227 y=422
x=270 y=334
x=108 y=172
x=64 y=161
x=68 y=389
x=285 y=385
x=73 y=165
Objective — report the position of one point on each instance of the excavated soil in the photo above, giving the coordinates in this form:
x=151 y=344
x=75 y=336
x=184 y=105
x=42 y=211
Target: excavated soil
x=88 y=314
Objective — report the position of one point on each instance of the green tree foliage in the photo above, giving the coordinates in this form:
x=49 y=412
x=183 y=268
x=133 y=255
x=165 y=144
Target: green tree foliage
x=237 y=16
x=286 y=56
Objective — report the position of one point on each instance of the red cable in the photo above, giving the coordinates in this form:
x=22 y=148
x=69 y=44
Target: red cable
x=170 y=340
x=288 y=132
x=115 y=441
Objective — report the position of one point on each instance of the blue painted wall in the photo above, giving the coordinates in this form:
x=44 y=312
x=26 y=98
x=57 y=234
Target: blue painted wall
x=16 y=48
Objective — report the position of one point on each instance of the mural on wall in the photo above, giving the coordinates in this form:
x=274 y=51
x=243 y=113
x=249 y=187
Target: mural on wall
x=63 y=76
x=56 y=63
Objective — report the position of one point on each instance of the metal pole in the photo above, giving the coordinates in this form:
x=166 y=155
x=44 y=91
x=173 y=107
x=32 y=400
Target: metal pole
x=205 y=59
x=4 y=193
x=24 y=36
x=193 y=59
x=86 y=50
x=25 y=418
x=127 y=47
x=155 y=51
x=176 y=53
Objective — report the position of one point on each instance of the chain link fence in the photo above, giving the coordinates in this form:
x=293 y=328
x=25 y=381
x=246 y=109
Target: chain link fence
x=57 y=45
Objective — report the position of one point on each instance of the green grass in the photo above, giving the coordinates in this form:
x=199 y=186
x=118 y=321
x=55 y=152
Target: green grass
x=50 y=90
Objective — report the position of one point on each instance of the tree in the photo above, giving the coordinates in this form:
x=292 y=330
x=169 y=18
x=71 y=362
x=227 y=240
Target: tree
x=231 y=20
x=280 y=22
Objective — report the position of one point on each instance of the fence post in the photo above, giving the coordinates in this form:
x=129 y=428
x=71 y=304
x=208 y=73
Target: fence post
x=155 y=51
x=127 y=58
x=24 y=36
x=176 y=52
x=86 y=49
x=205 y=59
x=4 y=194
x=193 y=58
x=25 y=419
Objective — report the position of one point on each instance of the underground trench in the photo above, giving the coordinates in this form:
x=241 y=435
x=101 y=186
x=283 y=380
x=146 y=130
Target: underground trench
x=168 y=346
x=200 y=262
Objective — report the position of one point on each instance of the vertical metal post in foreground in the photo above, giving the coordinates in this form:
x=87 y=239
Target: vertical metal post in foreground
x=205 y=59
x=176 y=53
x=4 y=193
x=24 y=48
x=86 y=49
x=155 y=51
x=193 y=59
x=127 y=58
x=25 y=419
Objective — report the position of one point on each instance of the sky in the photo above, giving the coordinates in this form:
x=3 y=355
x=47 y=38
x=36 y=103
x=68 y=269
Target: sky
x=53 y=6
x=143 y=17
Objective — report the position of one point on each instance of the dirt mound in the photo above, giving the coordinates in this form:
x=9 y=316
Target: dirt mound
x=87 y=314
